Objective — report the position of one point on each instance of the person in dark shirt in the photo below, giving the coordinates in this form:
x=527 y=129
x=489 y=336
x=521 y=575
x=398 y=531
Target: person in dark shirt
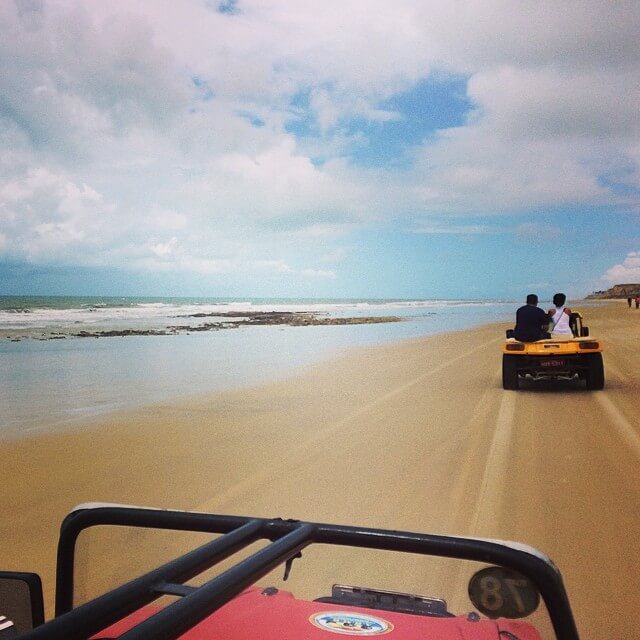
x=531 y=321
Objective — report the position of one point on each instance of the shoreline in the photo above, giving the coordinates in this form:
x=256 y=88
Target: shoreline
x=70 y=425
x=52 y=318
x=290 y=354
x=46 y=382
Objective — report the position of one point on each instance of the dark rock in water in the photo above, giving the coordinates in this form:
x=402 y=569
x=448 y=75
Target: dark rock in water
x=290 y=318
x=228 y=320
x=254 y=318
x=119 y=333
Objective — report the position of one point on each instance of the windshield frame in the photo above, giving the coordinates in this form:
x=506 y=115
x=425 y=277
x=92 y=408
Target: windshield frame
x=288 y=538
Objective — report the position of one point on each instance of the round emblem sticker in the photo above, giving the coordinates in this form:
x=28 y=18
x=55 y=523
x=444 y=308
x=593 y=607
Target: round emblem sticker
x=350 y=624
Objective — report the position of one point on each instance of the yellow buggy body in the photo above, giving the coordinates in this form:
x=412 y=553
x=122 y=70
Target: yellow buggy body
x=577 y=356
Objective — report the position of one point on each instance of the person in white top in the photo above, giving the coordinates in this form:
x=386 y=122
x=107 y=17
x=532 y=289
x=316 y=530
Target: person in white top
x=560 y=316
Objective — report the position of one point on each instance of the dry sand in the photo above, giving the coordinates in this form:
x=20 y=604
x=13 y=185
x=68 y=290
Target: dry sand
x=417 y=436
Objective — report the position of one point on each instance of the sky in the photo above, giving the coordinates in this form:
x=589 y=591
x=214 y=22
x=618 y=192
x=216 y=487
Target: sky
x=295 y=148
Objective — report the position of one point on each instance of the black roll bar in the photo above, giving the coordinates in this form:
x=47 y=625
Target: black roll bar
x=287 y=537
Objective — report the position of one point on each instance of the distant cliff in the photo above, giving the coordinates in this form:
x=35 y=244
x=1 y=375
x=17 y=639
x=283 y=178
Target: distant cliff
x=617 y=291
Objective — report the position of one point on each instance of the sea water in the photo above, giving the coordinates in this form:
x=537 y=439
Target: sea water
x=47 y=383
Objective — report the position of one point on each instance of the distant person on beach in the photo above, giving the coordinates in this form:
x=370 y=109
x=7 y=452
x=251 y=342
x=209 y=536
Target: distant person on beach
x=629 y=302
x=560 y=316
x=531 y=321
x=637 y=301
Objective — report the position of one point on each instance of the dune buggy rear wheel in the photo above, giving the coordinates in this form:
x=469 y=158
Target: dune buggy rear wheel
x=510 y=372
x=595 y=371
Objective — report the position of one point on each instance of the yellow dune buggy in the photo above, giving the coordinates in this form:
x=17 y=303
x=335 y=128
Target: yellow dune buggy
x=550 y=359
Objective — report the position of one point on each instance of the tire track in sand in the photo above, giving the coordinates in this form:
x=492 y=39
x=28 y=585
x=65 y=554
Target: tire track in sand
x=625 y=429
x=472 y=467
x=296 y=454
x=492 y=485
x=490 y=479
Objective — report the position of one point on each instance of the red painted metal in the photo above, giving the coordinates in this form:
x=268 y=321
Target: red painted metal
x=253 y=615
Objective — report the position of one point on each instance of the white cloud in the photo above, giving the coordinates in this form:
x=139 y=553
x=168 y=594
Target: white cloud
x=277 y=266
x=442 y=228
x=627 y=272
x=319 y=273
x=205 y=265
x=548 y=102
x=570 y=35
x=167 y=219
x=111 y=152
x=335 y=256
x=277 y=182
x=322 y=231
x=165 y=249
x=479 y=169
x=185 y=264
x=48 y=216
x=67 y=81
x=537 y=232
x=74 y=199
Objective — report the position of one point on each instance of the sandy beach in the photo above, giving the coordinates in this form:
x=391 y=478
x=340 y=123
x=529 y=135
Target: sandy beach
x=418 y=435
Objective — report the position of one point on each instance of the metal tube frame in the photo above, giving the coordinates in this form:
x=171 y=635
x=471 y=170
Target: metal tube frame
x=287 y=537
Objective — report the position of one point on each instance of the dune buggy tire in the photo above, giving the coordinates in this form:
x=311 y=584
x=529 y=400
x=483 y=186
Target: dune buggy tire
x=595 y=371
x=510 y=372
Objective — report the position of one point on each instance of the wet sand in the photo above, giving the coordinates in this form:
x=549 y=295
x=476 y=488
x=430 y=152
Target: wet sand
x=417 y=436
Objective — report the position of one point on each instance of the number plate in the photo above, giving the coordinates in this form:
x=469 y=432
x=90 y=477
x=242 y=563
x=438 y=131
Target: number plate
x=499 y=592
x=551 y=363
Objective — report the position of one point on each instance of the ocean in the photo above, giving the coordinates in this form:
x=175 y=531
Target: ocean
x=58 y=368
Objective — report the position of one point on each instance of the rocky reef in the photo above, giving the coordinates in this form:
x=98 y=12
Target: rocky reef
x=219 y=321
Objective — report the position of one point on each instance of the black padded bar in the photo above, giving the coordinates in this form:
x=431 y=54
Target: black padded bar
x=539 y=569
x=178 y=617
x=93 y=616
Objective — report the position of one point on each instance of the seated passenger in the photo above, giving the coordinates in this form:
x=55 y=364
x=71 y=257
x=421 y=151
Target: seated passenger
x=531 y=321
x=560 y=316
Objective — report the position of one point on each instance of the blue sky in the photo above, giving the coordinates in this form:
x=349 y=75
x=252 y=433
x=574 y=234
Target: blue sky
x=361 y=149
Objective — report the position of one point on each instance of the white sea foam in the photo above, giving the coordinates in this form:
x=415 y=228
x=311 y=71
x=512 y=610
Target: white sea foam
x=155 y=314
